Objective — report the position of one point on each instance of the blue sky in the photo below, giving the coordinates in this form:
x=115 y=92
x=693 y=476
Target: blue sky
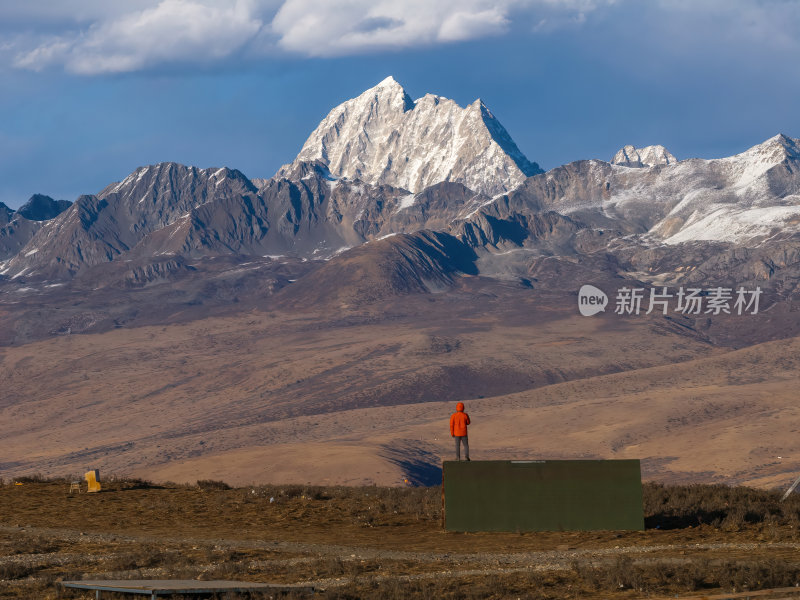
x=93 y=89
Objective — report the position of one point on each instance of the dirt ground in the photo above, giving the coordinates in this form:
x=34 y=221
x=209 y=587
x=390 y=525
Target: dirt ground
x=373 y=542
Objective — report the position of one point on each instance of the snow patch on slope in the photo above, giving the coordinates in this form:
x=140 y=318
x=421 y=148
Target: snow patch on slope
x=727 y=224
x=406 y=202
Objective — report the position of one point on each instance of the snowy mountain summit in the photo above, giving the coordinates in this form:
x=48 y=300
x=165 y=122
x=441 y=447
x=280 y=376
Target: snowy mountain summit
x=649 y=156
x=384 y=137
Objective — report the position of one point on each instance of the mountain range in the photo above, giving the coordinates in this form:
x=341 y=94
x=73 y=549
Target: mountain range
x=409 y=250
x=382 y=164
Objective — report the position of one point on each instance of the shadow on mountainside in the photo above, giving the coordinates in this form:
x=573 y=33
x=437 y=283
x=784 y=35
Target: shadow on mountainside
x=422 y=467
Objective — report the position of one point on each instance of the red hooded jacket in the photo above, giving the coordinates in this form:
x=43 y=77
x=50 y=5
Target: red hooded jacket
x=459 y=421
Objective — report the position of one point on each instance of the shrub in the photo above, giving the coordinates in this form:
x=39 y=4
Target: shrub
x=212 y=484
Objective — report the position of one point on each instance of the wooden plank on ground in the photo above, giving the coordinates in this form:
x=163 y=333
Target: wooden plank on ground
x=181 y=586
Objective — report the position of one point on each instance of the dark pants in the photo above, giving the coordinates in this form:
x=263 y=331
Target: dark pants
x=462 y=439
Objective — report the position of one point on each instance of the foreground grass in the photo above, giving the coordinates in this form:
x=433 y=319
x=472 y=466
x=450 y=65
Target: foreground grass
x=370 y=542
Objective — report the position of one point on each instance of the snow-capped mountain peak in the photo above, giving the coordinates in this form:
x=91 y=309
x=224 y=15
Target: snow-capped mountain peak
x=384 y=137
x=649 y=156
x=749 y=167
x=390 y=83
x=387 y=91
x=777 y=149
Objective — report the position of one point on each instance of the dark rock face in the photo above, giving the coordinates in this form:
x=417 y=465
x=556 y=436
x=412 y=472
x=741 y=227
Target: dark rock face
x=17 y=228
x=5 y=214
x=43 y=208
x=15 y=234
x=400 y=264
x=99 y=228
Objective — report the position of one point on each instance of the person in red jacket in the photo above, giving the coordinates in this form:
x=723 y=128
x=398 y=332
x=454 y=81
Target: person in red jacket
x=458 y=429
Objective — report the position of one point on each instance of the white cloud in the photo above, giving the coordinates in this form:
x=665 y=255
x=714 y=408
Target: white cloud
x=331 y=28
x=45 y=12
x=320 y=28
x=463 y=25
x=171 y=31
x=110 y=36
x=92 y=37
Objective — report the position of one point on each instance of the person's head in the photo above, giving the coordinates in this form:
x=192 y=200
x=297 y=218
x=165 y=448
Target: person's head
x=460 y=407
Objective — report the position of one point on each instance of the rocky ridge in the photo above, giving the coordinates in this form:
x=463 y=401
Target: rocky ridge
x=649 y=156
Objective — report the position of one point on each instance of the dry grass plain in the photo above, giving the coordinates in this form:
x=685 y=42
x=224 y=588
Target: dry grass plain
x=374 y=542
x=362 y=396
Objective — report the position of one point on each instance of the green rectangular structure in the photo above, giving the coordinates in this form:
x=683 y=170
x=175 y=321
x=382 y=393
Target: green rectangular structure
x=542 y=495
